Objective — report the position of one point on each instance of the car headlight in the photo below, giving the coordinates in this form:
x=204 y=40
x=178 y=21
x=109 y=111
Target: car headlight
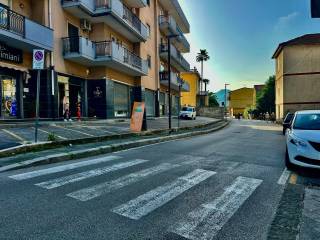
x=297 y=141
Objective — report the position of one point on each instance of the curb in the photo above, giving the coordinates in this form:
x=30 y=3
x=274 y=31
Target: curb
x=49 y=145
x=54 y=158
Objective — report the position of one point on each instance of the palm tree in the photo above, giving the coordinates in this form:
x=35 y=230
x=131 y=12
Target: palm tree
x=206 y=82
x=202 y=56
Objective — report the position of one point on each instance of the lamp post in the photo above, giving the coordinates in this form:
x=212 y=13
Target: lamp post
x=225 y=99
x=169 y=74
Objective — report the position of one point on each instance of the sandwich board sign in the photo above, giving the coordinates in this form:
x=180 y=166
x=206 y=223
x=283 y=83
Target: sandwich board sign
x=137 y=116
x=38 y=59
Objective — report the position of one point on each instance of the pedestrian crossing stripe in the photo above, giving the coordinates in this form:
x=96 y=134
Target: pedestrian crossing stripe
x=148 y=202
x=107 y=187
x=205 y=222
x=62 y=168
x=58 y=182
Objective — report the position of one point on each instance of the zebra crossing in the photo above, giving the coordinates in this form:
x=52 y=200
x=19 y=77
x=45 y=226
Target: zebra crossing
x=202 y=223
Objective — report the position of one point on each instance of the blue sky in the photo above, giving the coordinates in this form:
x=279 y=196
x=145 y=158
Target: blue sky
x=241 y=36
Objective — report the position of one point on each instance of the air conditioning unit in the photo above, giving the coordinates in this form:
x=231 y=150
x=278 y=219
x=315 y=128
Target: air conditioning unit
x=85 y=25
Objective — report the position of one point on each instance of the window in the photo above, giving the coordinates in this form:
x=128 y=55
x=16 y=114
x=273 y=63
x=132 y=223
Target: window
x=149 y=61
x=148 y=2
x=149 y=30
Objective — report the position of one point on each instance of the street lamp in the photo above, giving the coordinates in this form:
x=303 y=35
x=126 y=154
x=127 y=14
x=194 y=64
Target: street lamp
x=225 y=98
x=169 y=73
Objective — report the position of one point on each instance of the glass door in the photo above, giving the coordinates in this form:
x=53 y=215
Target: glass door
x=8 y=97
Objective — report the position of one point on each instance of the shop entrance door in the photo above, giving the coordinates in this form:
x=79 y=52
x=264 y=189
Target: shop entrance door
x=8 y=97
x=74 y=98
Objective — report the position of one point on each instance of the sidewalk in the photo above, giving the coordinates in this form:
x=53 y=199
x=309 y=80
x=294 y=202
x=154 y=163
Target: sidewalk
x=23 y=133
x=56 y=153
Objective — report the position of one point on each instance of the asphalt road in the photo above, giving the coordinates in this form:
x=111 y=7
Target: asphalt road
x=219 y=186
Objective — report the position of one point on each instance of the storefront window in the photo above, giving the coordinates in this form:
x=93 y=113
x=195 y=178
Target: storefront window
x=121 y=100
x=8 y=95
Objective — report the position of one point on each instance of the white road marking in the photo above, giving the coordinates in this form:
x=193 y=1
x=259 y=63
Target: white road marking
x=107 y=187
x=148 y=202
x=77 y=131
x=58 y=182
x=41 y=130
x=206 y=221
x=63 y=168
x=14 y=135
x=284 y=177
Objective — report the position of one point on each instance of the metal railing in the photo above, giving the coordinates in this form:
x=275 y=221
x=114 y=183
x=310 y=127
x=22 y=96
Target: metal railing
x=175 y=54
x=102 y=4
x=132 y=18
x=102 y=49
x=12 y=21
x=71 y=45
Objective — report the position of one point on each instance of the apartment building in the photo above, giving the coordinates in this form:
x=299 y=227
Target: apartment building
x=297 y=75
x=240 y=99
x=101 y=55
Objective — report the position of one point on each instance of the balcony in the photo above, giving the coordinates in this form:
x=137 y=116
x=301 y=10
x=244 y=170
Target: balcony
x=177 y=60
x=111 y=12
x=22 y=33
x=167 y=25
x=175 y=81
x=136 y=3
x=203 y=93
x=107 y=53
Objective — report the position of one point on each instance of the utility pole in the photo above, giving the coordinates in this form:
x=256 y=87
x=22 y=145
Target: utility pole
x=169 y=75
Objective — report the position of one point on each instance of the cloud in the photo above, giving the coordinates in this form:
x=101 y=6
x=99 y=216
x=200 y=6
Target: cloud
x=284 y=21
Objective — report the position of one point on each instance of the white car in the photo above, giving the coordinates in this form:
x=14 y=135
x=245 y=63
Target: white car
x=188 y=112
x=303 y=140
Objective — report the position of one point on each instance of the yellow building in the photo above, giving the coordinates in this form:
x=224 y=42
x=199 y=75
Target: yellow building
x=240 y=99
x=297 y=75
x=193 y=97
x=101 y=55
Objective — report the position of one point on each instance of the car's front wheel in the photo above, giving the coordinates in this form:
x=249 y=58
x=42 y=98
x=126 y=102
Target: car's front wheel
x=289 y=165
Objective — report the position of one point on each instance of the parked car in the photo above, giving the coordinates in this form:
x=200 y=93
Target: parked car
x=303 y=140
x=188 y=113
x=287 y=122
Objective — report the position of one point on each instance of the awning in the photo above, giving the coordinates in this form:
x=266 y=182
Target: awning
x=14 y=67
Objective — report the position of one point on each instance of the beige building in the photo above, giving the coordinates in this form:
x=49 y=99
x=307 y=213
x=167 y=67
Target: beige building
x=297 y=75
x=240 y=99
x=100 y=54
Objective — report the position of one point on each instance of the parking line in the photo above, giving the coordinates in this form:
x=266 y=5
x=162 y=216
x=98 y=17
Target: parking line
x=41 y=130
x=284 y=177
x=73 y=130
x=14 y=135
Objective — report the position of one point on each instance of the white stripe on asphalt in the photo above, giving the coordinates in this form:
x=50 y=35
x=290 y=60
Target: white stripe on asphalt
x=44 y=131
x=284 y=177
x=148 y=202
x=62 y=168
x=14 y=135
x=206 y=221
x=73 y=130
x=58 y=182
x=107 y=187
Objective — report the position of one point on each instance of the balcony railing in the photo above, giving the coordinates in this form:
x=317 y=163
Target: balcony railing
x=176 y=82
x=176 y=55
x=12 y=21
x=99 y=50
x=96 y=8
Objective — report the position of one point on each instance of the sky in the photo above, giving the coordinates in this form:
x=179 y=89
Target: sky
x=241 y=36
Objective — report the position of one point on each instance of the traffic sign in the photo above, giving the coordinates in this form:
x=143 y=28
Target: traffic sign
x=38 y=59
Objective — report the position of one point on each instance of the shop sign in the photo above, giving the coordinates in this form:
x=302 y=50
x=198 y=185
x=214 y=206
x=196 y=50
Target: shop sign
x=137 y=116
x=10 y=54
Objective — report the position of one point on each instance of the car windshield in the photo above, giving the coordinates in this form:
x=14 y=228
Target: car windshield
x=288 y=118
x=307 y=122
x=186 y=109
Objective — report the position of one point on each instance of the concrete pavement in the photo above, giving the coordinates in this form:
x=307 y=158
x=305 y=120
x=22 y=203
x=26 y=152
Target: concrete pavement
x=21 y=133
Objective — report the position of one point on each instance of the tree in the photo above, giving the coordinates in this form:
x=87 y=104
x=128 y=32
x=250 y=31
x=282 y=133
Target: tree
x=202 y=56
x=206 y=82
x=266 y=100
x=213 y=100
